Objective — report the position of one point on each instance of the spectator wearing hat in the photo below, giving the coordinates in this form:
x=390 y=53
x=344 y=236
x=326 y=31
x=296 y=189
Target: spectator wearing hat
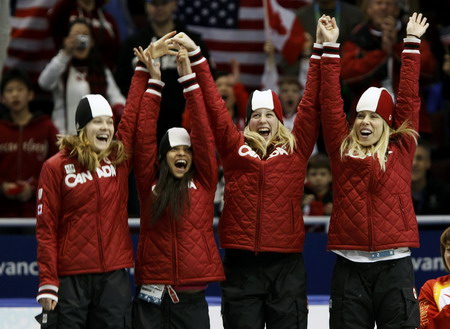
x=177 y=254
x=373 y=225
x=434 y=298
x=261 y=226
x=84 y=244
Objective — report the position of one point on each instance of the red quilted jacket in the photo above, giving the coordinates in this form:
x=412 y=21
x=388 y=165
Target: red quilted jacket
x=262 y=208
x=177 y=252
x=372 y=209
x=82 y=219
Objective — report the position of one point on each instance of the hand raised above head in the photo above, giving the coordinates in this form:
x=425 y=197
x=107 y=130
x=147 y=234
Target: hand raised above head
x=162 y=47
x=327 y=29
x=417 y=25
x=145 y=57
x=183 y=62
x=184 y=40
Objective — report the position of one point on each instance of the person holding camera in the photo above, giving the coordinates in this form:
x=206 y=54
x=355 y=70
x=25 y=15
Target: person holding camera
x=75 y=71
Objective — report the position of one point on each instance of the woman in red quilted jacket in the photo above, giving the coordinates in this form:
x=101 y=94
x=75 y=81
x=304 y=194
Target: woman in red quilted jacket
x=373 y=225
x=177 y=255
x=261 y=227
x=84 y=244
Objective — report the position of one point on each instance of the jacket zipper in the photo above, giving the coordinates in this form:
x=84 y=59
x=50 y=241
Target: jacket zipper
x=259 y=205
x=174 y=252
x=99 y=231
x=369 y=205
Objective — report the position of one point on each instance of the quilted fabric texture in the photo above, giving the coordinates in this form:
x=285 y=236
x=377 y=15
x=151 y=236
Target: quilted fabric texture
x=82 y=218
x=177 y=251
x=372 y=209
x=262 y=200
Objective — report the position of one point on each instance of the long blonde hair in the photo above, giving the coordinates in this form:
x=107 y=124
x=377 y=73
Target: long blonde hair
x=80 y=147
x=281 y=138
x=352 y=147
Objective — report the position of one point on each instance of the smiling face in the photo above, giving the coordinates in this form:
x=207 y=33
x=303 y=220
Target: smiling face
x=264 y=122
x=369 y=127
x=179 y=159
x=99 y=132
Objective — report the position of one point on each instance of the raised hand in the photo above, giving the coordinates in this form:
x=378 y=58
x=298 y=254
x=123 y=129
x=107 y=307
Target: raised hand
x=184 y=40
x=183 y=62
x=163 y=46
x=145 y=57
x=417 y=25
x=329 y=31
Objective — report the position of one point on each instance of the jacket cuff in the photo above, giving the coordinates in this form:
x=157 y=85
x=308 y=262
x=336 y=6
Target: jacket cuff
x=155 y=87
x=48 y=291
x=189 y=82
x=196 y=57
x=140 y=67
x=317 y=51
x=411 y=45
x=331 y=49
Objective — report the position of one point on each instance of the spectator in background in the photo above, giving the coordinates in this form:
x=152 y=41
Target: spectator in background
x=318 y=196
x=104 y=28
x=290 y=93
x=434 y=297
x=26 y=140
x=430 y=196
x=160 y=15
x=371 y=55
x=78 y=70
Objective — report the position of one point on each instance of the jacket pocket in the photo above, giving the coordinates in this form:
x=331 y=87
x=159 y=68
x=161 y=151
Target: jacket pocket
x=412 y=311
x=403 y=214
x=206 y=247
x=66 y=237
x=295 y=215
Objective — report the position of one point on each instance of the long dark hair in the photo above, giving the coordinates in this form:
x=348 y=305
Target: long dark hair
x=170 y=193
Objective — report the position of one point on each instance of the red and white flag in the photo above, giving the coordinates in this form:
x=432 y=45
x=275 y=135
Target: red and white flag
x=284 y=30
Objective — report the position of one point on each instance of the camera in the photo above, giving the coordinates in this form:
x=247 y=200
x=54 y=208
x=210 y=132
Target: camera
x=82 y=41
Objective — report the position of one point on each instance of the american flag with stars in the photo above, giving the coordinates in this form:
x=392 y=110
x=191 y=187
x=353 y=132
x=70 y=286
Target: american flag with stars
x=232 y=29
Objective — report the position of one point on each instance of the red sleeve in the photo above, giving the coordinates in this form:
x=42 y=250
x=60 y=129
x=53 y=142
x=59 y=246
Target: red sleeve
x=127 y=126
x=334 y=121
x=146 y=148
x=430 y=316
x=358 y=64
x=306 y=125
x=407 y=106
x=47 y=218
x=225 y=132
x=201 y=135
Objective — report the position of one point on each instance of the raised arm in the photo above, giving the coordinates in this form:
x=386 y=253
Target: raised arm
x=201 y=135
x=225 y=132
x=334 y=122
x=146 y=146
x=306 y=125
x=408 y=100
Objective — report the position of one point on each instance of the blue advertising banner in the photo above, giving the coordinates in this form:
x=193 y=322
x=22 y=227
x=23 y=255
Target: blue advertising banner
x=19 y=270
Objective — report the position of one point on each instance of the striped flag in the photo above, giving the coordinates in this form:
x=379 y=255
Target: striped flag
x=31 y=47
x=232 y=29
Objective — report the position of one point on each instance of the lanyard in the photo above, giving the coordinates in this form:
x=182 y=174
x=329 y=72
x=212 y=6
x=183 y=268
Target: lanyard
x=337 y=12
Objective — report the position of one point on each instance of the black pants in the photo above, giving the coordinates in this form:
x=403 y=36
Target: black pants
x=191 y=312
x=93 y=301
x=363 y=294
x=266 y=289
